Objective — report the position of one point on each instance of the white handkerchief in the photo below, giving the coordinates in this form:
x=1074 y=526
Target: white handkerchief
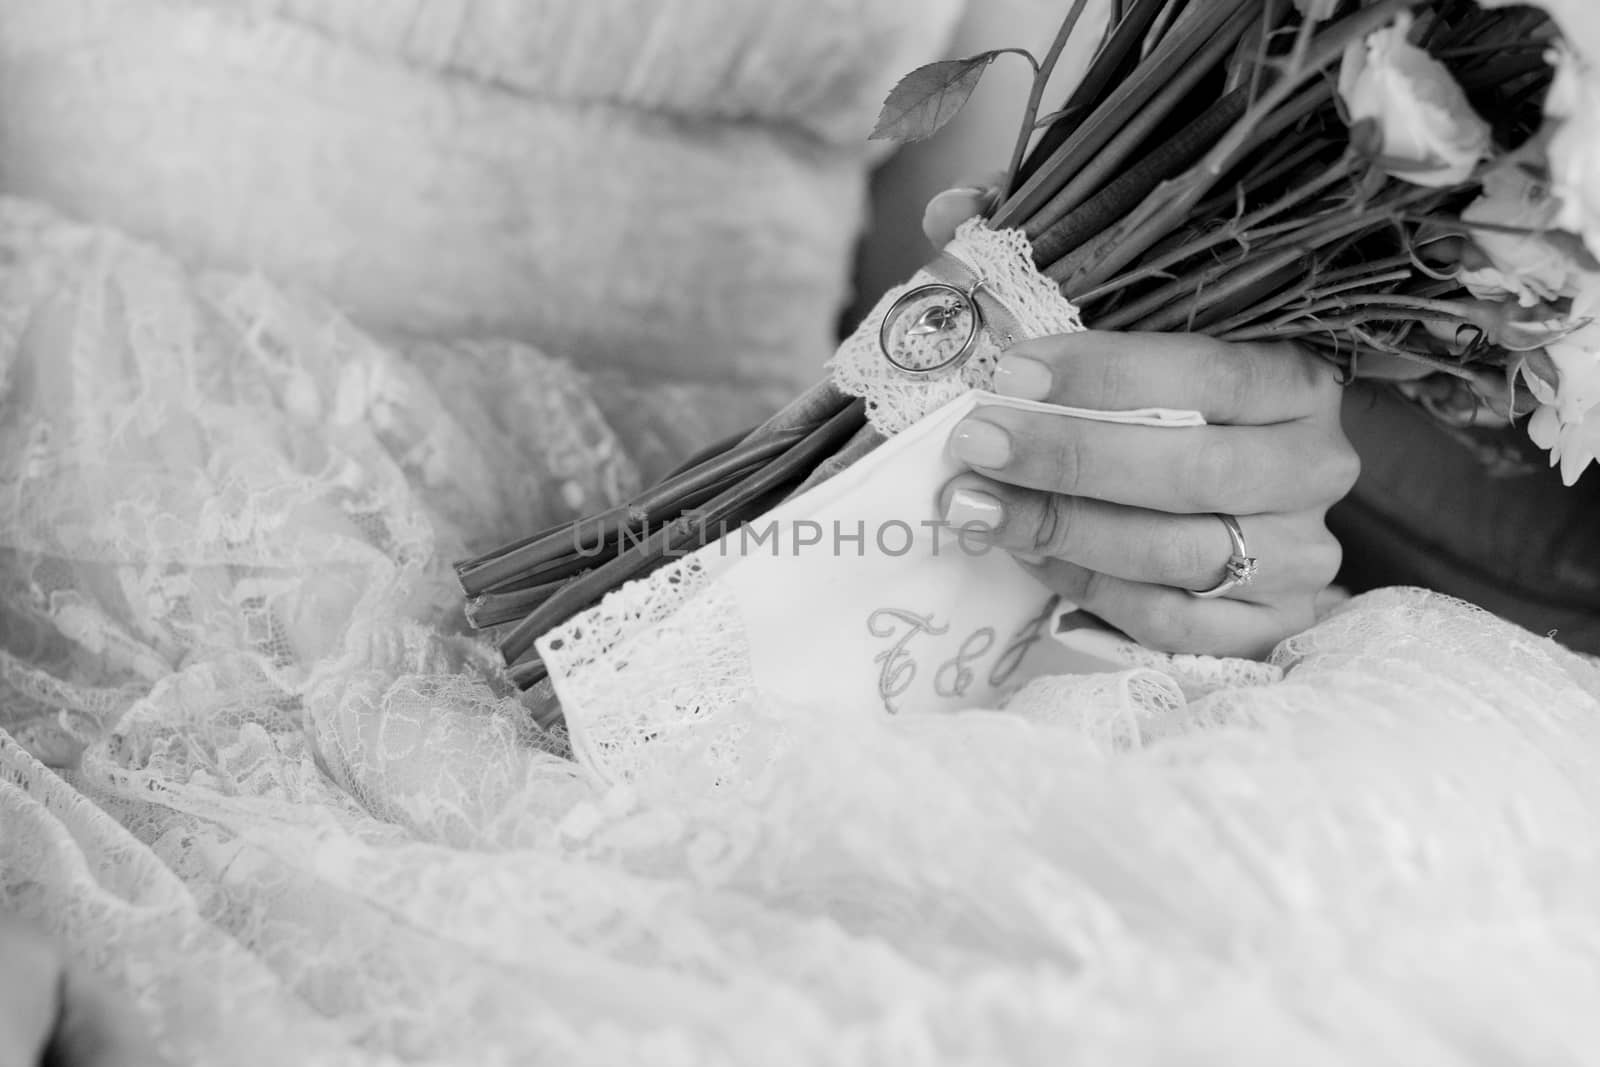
x=856 y=592
x=852 y=595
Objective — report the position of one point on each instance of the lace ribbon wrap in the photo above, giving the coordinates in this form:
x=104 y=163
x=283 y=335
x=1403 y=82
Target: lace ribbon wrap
x=1003 y=260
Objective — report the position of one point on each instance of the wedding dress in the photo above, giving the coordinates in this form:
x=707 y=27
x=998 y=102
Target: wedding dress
x=256 y=773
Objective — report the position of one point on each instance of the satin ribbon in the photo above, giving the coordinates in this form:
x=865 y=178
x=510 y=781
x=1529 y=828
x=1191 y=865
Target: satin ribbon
x=998 y=320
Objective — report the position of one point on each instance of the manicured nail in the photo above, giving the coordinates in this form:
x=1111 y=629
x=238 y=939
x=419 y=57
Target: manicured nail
x=954 y=205
x=969 y=507
x=1023 y=378
x=982 y=444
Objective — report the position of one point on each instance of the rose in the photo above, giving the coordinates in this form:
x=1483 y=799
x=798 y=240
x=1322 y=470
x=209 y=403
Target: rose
x=1573 y=104
x=1430 y=134
x=1531 y=266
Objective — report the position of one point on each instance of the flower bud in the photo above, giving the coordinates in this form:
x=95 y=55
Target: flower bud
x=1430 y=134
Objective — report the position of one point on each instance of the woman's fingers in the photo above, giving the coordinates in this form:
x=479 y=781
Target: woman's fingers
x=30 y=993
x=1186 y=552
x=1124 y=517
x=949 y=209
x=53 y=1013
x=1233 y=384
x=1244 y=470
x=1165 y=619
x=97 y=1028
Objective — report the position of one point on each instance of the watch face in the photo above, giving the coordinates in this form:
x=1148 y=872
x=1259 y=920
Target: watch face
x=930 y=328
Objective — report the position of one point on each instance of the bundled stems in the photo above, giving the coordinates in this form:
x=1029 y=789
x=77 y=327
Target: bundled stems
x=1167 y=206
x=1041 y=80
x=1122 y=41
x=1243 y=231
x=1115 y=155
x=657 y=505
x=1054 y=247
x=1123 y=104
x=683 y=534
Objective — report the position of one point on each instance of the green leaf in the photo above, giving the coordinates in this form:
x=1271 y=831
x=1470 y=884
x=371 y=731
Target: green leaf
x=927 y=98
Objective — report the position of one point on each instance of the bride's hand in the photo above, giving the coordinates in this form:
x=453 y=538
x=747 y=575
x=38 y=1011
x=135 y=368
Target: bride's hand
x=50 y=1013
x=1123 y=519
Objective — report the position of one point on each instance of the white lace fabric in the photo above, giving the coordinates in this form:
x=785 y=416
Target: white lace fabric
x=254 y=772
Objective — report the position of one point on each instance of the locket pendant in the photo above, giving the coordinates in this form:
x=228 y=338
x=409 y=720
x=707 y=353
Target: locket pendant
x=932 y=328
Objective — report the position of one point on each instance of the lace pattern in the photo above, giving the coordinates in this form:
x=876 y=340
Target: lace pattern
x=655 y=657
x=1003 y=260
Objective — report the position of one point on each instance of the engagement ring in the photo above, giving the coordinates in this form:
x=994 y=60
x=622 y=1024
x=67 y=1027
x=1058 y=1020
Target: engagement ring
x=1241 y=566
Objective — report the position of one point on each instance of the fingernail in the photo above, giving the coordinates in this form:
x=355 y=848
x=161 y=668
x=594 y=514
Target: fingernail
x=974 y=191
x=969 y=507
x=1028 y=557
x=956 y=203
x=1023 y=378
x=982 y=444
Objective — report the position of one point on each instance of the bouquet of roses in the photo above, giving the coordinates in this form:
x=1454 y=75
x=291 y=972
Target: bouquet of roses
x=1393 y=184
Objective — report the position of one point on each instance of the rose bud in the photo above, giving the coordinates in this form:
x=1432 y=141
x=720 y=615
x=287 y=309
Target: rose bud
x=1429 y=133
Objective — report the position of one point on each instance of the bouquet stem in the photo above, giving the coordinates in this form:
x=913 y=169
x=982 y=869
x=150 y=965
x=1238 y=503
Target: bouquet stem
x=1041 y=80
x=1114 y=156
x=1198 y=24
x=1167 y=206
x=679 y=536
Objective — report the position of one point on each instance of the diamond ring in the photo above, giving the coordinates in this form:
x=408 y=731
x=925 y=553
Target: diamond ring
x=1241 y=566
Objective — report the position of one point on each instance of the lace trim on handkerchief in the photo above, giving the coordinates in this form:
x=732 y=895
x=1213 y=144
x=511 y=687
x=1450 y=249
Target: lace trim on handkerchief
x=1003 y=260
x=653 y=658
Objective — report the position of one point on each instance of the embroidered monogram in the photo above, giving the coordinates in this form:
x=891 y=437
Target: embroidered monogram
x=899 y=668
x=1016 y=651
x=956 y=677
x=913 y=634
